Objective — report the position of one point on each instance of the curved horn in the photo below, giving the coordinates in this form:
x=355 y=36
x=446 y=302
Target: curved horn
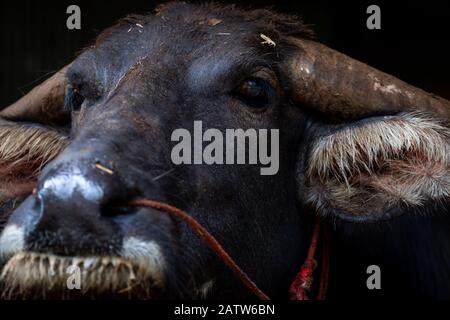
x=42 y=104
x=344 y=88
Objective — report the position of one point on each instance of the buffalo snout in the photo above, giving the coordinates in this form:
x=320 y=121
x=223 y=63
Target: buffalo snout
x=77 y=215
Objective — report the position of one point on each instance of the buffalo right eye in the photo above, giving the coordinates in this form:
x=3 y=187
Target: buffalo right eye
x=256 y=93
x=74 y=99
x=259 y=91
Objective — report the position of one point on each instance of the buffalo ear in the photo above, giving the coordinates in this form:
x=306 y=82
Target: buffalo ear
x=44 y=104
x=32 y=133
x=24 y=150
x=376 y=169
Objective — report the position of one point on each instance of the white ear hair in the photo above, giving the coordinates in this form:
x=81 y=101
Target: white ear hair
x=399 y=160
x=28 y=147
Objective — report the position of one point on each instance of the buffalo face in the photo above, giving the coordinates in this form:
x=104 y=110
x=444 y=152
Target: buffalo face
x=339 y=145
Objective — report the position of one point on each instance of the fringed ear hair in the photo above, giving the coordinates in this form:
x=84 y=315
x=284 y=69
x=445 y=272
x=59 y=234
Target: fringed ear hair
x=363 y=171
x=24 y=151
x=28 y=140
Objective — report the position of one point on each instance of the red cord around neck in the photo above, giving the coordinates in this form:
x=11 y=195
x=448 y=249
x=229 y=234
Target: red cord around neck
x=303 y=281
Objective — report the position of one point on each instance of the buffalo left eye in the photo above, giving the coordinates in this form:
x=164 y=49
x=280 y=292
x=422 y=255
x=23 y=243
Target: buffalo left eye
x=256 y=93
x=74 y=99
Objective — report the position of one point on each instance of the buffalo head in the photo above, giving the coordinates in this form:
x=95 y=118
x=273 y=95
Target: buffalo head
x=354 y=144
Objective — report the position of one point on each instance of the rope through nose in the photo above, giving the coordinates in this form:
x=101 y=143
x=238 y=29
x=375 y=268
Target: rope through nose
x=303 y=281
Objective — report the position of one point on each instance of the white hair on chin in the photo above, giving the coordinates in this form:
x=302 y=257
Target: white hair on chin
x=29 y=275
x=147 y=254
x=12 y=240
x=381 y=164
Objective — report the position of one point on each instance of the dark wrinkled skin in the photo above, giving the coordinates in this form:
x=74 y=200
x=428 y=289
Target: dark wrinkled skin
x=141 y=84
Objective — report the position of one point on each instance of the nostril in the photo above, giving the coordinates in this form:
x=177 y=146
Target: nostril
x=116 y=204
x=117 y=208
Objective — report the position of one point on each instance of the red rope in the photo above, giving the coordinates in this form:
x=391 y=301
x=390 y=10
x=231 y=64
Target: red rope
x=204 y=234
x=303 y=281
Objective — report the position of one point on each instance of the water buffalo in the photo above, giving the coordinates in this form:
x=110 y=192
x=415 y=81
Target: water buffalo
x=363 y=150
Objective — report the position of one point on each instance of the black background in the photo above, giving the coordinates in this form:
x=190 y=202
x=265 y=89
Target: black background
x=412 y=43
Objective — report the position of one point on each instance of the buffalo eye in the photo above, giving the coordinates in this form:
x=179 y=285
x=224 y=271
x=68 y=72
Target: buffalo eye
x=74 y=99
x=258 y=91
